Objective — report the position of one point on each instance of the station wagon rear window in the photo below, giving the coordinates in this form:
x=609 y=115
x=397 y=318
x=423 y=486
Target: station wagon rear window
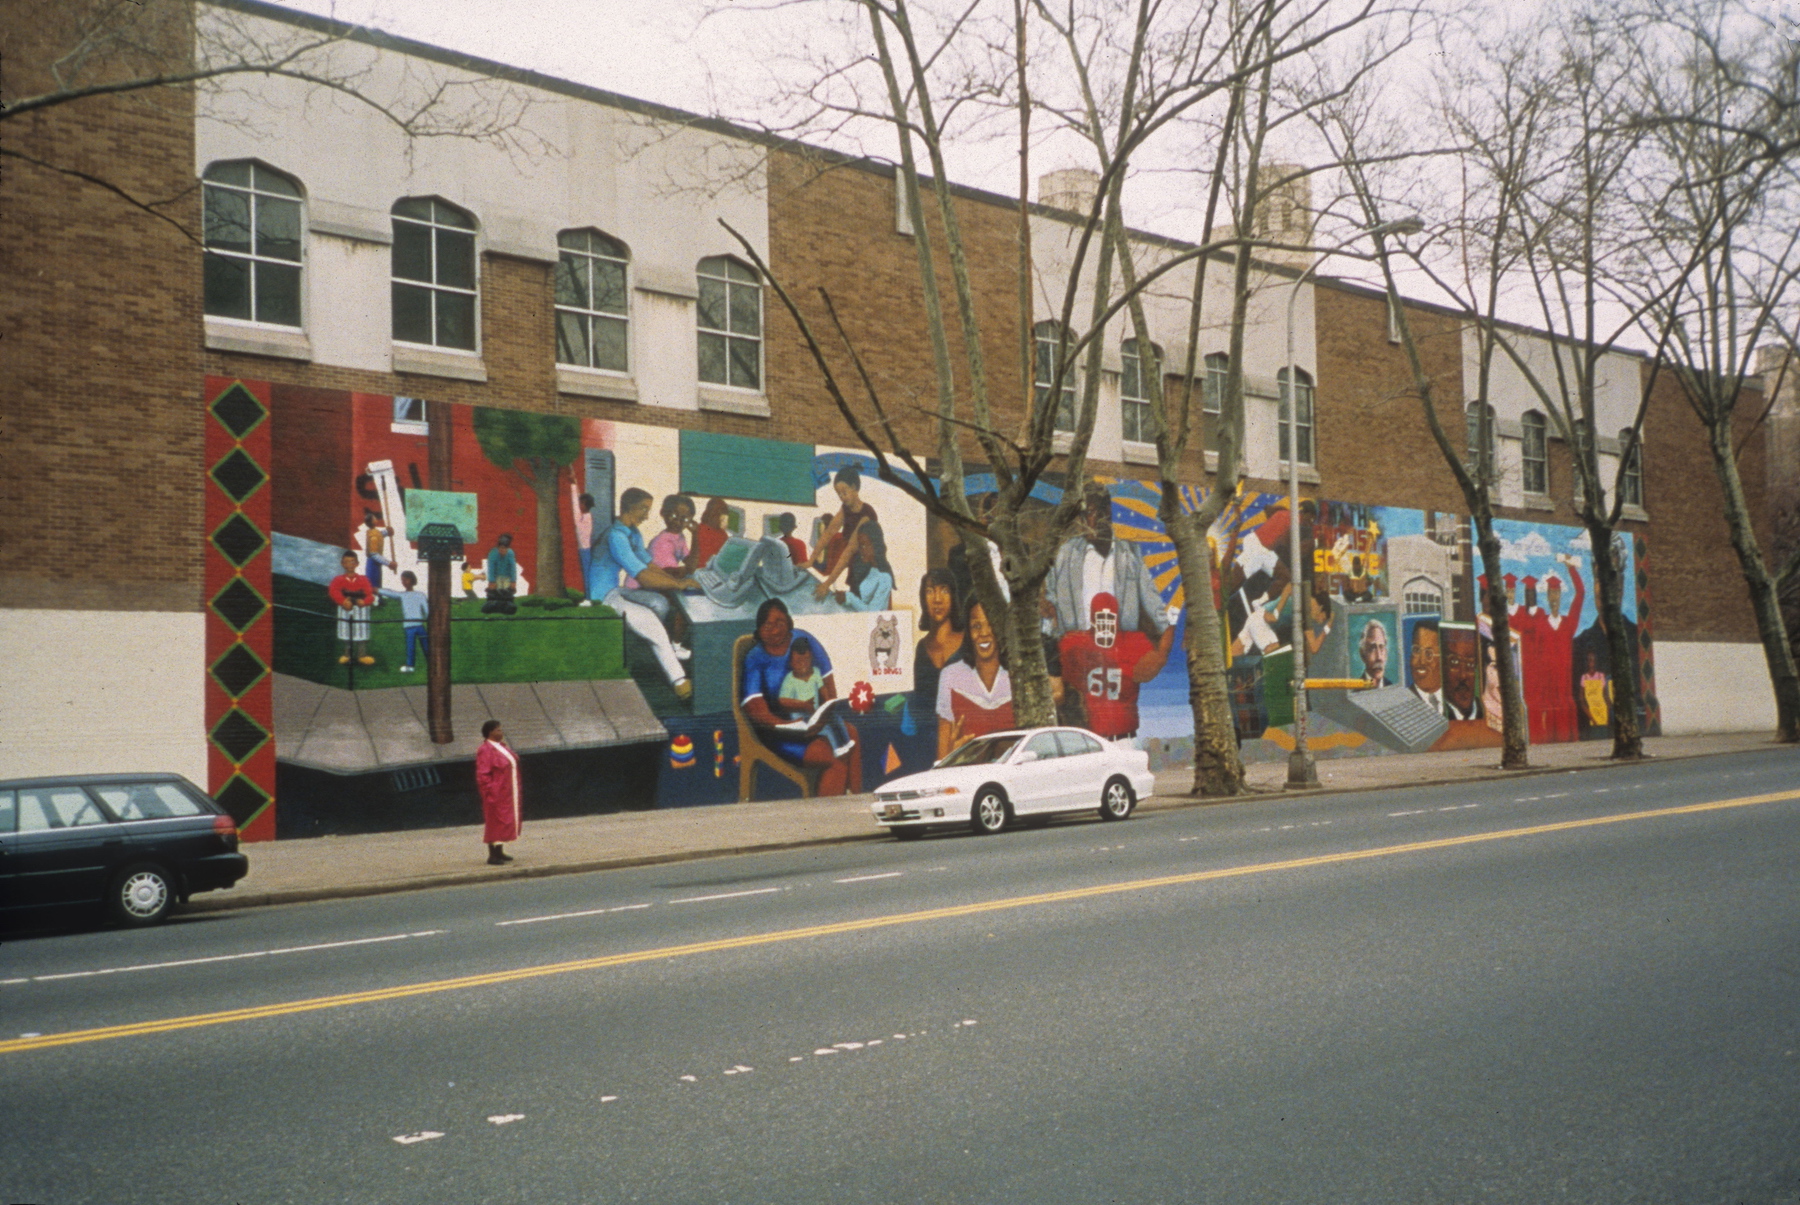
x=148 y=800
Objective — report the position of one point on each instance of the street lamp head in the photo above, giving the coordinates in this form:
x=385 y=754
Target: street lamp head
x=1410 y=224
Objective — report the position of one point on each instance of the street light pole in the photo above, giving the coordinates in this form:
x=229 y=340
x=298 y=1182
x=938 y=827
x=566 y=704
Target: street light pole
x=1303 y=773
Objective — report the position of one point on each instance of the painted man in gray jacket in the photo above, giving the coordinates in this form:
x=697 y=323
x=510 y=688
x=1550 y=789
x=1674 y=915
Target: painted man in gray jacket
x=1093 y=563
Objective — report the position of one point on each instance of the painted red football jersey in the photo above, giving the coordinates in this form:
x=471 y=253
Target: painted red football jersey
x=1103 y=676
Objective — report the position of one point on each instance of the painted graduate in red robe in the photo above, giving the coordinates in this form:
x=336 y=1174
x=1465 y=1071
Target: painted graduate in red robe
x=497 y=779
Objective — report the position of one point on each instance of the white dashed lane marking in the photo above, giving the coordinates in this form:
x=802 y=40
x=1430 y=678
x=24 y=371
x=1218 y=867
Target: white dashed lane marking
x=532 y=920
x=729 y=895
x=190 y=962
x=865 y=878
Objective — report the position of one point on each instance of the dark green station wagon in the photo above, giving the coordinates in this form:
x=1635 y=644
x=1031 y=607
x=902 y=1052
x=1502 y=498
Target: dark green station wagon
x=137 y=844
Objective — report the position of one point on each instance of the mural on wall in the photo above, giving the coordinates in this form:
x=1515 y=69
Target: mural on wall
x=761 y=619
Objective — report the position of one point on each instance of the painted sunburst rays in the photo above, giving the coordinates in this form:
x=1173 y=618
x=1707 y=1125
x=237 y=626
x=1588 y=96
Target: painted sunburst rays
x=1134 y=514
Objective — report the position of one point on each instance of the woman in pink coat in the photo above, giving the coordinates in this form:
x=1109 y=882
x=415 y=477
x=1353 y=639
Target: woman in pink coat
x=497 y=778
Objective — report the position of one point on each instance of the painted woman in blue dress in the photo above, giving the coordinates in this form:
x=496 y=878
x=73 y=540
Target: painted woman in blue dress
x=765 y=668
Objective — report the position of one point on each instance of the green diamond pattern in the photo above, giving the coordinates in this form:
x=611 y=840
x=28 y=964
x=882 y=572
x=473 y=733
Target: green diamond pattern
x=238 y=475
x=239 y=540
x=242 y=798
x=238 y=604
x=238 y=670
x=238 y=736
x=238 y=411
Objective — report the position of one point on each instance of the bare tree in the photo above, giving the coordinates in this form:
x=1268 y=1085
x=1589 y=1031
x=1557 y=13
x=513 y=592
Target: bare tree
x=1548 y=214
x=1378 y=153
x=1141 y=68
x=1717 y=274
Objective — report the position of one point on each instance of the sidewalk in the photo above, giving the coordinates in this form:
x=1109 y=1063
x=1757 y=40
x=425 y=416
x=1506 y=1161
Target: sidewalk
x=336 y=867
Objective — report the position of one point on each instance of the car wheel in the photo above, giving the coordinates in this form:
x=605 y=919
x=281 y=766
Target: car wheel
x=1116 y=800
x=142 y=895
x=990 y=813
x=907 y=832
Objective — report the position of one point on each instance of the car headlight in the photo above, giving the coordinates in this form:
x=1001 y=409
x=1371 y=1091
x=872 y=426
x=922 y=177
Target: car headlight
x=937 y=792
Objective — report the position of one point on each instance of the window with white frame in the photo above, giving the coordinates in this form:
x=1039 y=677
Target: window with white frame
x=1631 y=468
x=252 y=229
x=1050 y=345
x=1302 y=411
x=434 y=274
x=591 y=301
x=409 y=417
x=1534 y=452
x=729 y=315
x=1135 y=421
x=1212 y=385
x=1483 y=457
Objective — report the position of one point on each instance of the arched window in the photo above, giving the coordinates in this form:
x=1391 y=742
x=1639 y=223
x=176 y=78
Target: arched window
x=1534 y=452
x=730 y=323
x=1134 y=393
x=1422 y=596
x=1212 y=386
x=592 y=304
x=434 y=274
x=252 y=231
x=1631 y=468
x=1302 y=416
x=1050 y=344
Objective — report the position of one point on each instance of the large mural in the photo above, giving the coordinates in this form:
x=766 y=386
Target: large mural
x=685 y=617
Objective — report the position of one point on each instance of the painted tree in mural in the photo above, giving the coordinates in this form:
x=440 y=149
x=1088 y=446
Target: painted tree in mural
x=164 y=52
x=1719 y=92
x=1381 y=153
x=1161 y=66
x=538 y=448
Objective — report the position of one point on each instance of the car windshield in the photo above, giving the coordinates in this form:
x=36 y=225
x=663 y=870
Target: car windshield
x=982 y=751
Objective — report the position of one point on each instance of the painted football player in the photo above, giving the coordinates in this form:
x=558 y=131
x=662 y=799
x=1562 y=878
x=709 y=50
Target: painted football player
x=1104 y=667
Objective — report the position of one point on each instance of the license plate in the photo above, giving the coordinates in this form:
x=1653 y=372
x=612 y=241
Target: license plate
x=892 y=811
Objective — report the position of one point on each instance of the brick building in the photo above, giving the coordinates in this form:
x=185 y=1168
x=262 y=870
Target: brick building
x=318 y=332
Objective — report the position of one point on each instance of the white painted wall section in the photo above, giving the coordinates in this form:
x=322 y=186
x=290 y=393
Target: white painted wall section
x=1713 y=687
x=102 y=692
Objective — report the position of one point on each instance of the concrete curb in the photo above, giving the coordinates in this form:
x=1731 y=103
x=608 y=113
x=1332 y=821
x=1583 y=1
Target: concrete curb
x=231 y=901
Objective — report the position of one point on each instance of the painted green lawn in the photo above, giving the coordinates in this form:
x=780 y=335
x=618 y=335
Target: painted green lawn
x=546 y=640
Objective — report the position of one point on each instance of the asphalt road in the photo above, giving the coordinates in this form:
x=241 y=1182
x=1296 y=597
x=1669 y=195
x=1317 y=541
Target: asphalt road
x=1495 y=992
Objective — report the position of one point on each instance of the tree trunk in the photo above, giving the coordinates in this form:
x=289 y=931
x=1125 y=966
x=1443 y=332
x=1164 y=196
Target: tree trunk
x=1034 y=706
x=1628 y=741
x=1218 y=767
x=1515 y=732
x=546 y=478
x=1765 y=601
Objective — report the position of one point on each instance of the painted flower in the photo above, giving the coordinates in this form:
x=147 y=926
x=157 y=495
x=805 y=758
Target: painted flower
x=862 y=698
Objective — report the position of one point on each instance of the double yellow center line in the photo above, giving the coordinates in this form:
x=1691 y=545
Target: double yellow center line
x=462 y=983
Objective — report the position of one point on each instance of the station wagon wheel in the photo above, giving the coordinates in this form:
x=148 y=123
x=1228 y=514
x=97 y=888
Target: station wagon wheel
x=1116 y=800
x=141 y=895
x=990 y=812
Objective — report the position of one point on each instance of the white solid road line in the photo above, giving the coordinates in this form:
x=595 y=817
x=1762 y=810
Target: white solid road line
x=189 y=962
x=532 y=920
x=729 y=895
x=864 y=878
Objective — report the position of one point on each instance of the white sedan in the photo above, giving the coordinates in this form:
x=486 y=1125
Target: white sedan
x=995 y=779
